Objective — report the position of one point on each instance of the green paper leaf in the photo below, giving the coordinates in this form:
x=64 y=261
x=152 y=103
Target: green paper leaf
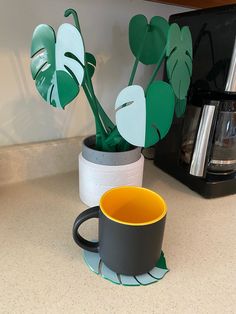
x=159 y=111
x=180 y=106
x=91 y=63
x=179 y=59
x=147 y=41
x=143 y=122
x=57 y=64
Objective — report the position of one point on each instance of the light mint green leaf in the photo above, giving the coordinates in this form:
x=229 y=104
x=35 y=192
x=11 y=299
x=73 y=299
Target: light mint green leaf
x=130 y=109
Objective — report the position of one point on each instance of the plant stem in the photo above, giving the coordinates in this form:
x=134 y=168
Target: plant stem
x=135 y=66
x=134 y=69
x=104 y=125
x=109 y=125
x=96 y=118
x=115 y=139
x=89 y=91
x=112 y=136
x=101 y=131
x=125 y=145
x=70 y=11
x=89 y=98
x=154 y=74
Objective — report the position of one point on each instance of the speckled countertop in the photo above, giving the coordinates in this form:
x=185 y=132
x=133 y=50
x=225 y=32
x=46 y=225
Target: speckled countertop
x=42 y=270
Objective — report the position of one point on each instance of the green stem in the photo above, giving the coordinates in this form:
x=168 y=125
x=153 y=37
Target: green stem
x=154 y=74
x=135 y=66
x=125 y=145
x=102 y=122
x=100 y=128
x=90 y=99
x=69 y=12
x=100 y=134
x=94 y=108
x=72 y=12
x=109 y=125
x=89 y=91
x=114 y=139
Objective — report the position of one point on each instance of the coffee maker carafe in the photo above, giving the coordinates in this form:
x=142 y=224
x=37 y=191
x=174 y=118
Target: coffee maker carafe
x=209 y=135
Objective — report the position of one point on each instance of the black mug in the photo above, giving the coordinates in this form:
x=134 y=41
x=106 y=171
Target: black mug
x=131 y=229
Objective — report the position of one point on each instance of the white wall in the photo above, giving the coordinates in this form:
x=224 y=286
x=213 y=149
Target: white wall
x=24 y=116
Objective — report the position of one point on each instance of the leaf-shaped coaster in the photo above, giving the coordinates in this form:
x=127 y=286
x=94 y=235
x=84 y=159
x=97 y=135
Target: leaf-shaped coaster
x=161 y=263
x=95 y=263
x=148 y=40
x=143 y=122
x=57 y=63
x=179 y=59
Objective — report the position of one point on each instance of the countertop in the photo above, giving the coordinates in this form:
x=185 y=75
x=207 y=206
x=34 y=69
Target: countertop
x=42 y=269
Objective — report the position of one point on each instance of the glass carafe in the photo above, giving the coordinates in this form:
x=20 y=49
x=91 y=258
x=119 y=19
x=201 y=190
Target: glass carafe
x=223 y=157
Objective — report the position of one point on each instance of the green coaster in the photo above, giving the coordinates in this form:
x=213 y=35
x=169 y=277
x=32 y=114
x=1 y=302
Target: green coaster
x=95 y=263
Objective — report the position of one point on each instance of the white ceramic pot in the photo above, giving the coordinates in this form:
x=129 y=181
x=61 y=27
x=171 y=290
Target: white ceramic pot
x=101 y=171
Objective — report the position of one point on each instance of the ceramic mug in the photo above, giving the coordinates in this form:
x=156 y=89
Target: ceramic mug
x=131 y=229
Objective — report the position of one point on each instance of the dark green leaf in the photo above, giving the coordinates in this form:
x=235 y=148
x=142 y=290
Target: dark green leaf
x=147 y=41
x=160 y=102
x=179 y=59
x=91 y=63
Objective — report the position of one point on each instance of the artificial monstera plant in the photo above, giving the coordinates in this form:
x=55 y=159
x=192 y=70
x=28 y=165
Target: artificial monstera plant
x=61 y=66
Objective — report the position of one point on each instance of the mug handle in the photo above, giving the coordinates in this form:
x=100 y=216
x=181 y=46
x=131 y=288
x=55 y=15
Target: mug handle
x=92 y=212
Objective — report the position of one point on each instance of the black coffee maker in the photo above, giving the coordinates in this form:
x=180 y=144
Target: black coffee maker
x=200 y=149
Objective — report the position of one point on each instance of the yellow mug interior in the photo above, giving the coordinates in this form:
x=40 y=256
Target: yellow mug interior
x=133 y=205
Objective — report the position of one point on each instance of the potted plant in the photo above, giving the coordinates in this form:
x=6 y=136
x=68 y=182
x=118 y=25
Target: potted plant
x=61 y=66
